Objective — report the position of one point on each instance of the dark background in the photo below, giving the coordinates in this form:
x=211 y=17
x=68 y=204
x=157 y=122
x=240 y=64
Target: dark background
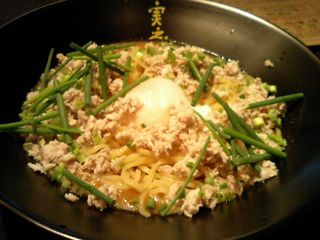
x=304 y=224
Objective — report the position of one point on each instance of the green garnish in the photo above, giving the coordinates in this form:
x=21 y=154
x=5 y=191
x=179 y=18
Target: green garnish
x=237 y=122
x=151 y=203
x=209 y=180
x=151 y=51
x=171 y=58
x=219 y=61
x=104 y=48
x=223 y=186
x=122 y=93
x=130 y=144
x=287 y=98
x=62 y=171
x=63 y=130
x=194 y=70
x=102 y=75
x=269 y=88
x=201 y=193
x=214 y=133
x=63 y=115
x=249 y=140
x=111 y=56
x=44 y=77
x=6 y=126
x=189 y=165
x=36 y=130
x=278 y=139
x=143 y=125
x=95 y=58
x=165 y=211
x=126 y=74
x=87 y=87
x=252 y=159
x=202 y=84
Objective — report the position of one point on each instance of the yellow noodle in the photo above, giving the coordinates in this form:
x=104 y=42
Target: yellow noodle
x=142 y=209
x=119 y=152
x=92 y=150
x=145 y=152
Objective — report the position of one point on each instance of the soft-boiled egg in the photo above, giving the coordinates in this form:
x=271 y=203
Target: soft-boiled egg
x=157 y=95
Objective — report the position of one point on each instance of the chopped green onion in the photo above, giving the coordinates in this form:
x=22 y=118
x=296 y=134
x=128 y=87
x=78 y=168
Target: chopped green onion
x=209 y=180
x=130 y=144
x=189 y=165
x=258 y=122
x=249 y=140
x=203 y=150
x=194 y=70
x=62 y=171
x=120 y=94
x=287 y=98
x=202 y=84
x=219 y=61
x=278 y=139
x=44 y=77
x=269 y=88
x=151 y=51
x=171 y=58
x=151 y=203
x=223 y=186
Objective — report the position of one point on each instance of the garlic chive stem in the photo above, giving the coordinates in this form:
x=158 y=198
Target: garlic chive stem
x=237 y=122
x=195 y=72
x=286 y=98
x=44 y=77
x=184 y=186
x=214 y=133
x=252 y=159
x=95 y=58
x=63 y=114
x=28 y=121
x=120 y=94
x=64 y=130
x=202 y=84
x=61 y=170
x=87 y=87
x=126 y=74
x=251 y=141
x=102 y=75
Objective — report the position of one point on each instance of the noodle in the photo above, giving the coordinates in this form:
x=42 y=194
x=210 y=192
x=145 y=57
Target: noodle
x=142 y=147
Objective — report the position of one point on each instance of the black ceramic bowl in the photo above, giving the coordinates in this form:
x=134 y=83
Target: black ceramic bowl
x=234 y=34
